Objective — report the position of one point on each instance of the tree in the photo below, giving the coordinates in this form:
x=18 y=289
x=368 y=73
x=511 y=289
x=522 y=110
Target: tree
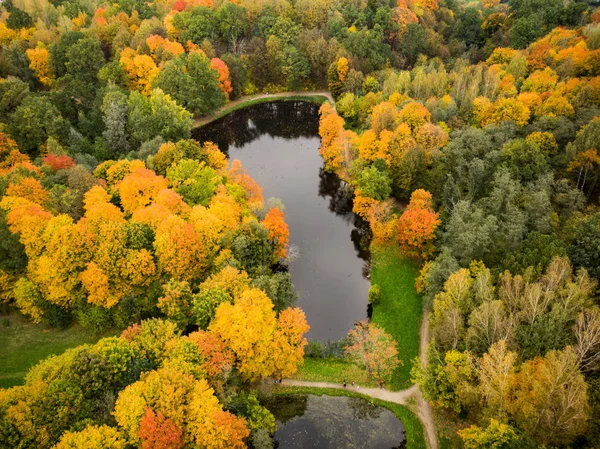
x=34 y=121
x=551 y=397
x=195 y=83
x=185 y=403
x=115 y=111
x=140 y=69
x=495 y=436
x=39 y=62
x=224 y=82
x=417 y=225
x=496 y=371
x=93 y=437
x=278 y=231
x=374 y=183
x=374 y=350
x=158 y=432
x=156 y=115
x=263 y=345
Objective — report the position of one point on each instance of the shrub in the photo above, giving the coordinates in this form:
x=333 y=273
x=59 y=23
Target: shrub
x=374 y=294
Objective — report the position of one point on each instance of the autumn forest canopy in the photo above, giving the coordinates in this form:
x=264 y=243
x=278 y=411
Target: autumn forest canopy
x=466 y=131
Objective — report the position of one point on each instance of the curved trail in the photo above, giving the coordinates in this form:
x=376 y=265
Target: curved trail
x=221 y=112
x=423 y=409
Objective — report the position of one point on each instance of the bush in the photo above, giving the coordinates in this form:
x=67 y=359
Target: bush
x=95 y=318
x=314 y=349
x=374 y=294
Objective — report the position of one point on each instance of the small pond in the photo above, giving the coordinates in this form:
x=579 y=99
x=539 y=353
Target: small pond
x=278 y=143
x=330 y=422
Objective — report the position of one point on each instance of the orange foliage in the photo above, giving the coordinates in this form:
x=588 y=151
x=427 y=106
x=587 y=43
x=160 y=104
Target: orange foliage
x=224 y=82
x=331 y=130
x=179 y=250
x=217 y=359
x=30 y=189
x=58 y=162
x=238 y=175
x=278 y=230
x=140 y=188
x=158 y=432
x=141 y=70
x=163 y=49
x=417 y=225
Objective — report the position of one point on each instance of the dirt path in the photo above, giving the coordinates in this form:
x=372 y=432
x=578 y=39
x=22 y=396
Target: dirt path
x=423 y=409
x=203 y=120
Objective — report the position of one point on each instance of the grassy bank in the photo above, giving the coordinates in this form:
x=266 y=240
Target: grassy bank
x=415 y=438
x=332 y=370
x=240 y=104
x=400 y=311
x=24 y=344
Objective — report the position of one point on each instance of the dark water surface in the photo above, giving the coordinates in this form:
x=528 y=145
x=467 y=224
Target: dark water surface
x=278 y=143
x=330 y=422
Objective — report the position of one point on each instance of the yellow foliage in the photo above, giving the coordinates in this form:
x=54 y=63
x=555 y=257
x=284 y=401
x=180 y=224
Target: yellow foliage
x=141 y=70
x=39 y=63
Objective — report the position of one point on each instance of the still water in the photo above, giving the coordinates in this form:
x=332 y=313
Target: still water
x=278 y=143
x=329 y=422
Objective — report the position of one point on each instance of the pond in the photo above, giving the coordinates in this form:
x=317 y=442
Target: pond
x=278 y=144
x=330 y=422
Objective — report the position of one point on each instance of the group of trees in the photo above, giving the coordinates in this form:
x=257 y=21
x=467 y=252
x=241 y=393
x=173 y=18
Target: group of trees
x=487 y=175
x=126 y=243
x=152 y=387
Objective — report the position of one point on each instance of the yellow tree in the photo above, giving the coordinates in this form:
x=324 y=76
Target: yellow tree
x=188 y=403
x=39 y=63
x=139 y=189
x=289 y=341
x=247 y=327
x=140 y=69
x=331 y=130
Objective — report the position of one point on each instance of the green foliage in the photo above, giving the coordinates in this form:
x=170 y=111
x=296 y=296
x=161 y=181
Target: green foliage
x=279 y=289
x=192 y=82
x=156 y=115
x=34 y=121
x=375 y=294
x=374 y=183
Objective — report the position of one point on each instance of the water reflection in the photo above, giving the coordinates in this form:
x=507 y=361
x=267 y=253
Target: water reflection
x=278 y=144
x=326 y=422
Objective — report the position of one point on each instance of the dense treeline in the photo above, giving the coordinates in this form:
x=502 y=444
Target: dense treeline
x=152 y=387
x=498 y=164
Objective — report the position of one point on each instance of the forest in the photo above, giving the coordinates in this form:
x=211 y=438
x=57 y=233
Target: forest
x=466 y=130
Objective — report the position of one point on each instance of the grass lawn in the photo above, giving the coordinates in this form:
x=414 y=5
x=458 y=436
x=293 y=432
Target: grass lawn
x=332 y=370
x=415 y=438
x=201 y=121
x=400 y=310
x=23 y=344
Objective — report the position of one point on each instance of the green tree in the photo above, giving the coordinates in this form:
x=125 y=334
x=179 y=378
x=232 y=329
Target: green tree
x=192 y=82
x=156 y=115
x=374 y=183
x=114 y=110
x=196 y=25
x=34 y=121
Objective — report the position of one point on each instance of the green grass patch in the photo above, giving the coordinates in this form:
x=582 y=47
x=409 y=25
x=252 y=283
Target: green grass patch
x=332 y=370
x=201 y=121
x=400 y=310
x=23 y=344
x=415 y=438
